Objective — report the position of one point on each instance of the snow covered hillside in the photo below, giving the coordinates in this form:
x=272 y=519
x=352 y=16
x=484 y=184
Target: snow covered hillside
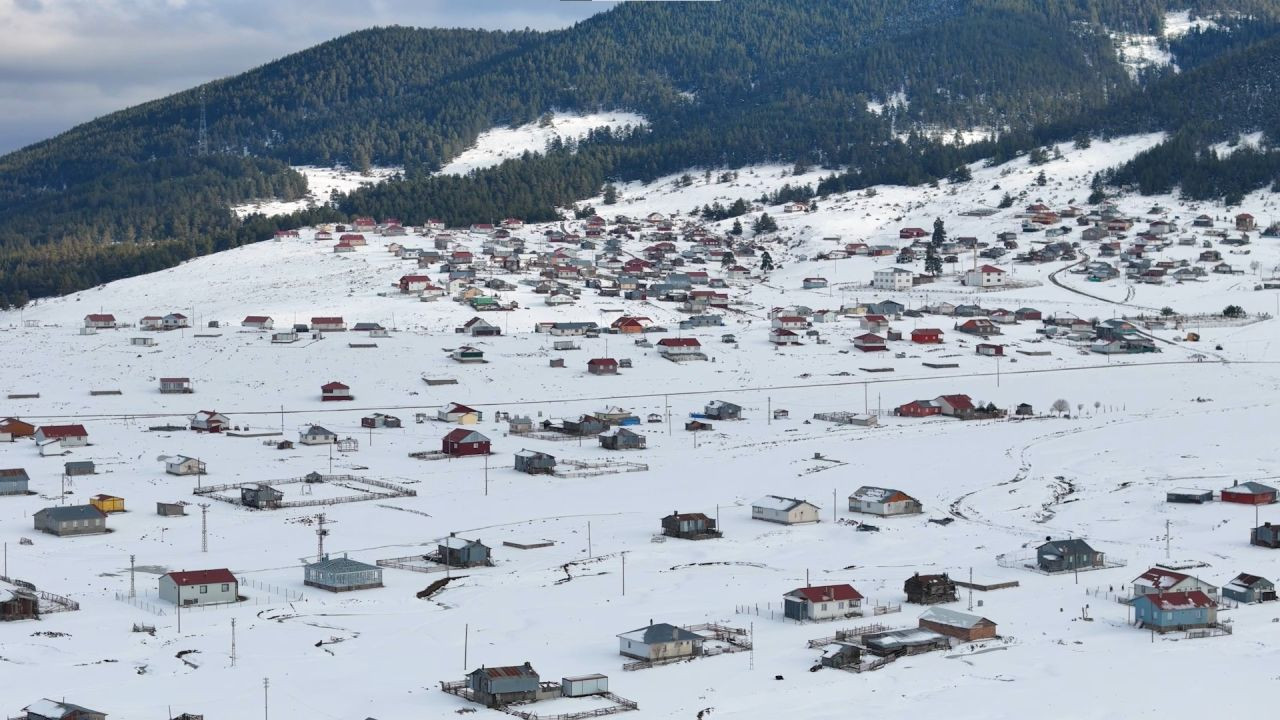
x=499 y=144
x=1198 y=413
x=321 y=184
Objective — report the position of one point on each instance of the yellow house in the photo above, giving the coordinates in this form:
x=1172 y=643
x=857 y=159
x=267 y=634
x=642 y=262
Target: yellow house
x=107 y=503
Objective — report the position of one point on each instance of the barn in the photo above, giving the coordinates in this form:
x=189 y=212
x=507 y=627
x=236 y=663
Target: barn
x=463 y=442
x=961 y=626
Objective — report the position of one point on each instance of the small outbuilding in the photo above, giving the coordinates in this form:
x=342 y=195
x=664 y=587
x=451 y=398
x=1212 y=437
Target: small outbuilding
x=1065 y=555
x=961 y=626
x=1248 y=588
x=14 y=481
x=930 y=589
x=533 y=462
x=261 y=496
x=497 y=687
x=107 y=503
x=460 y=552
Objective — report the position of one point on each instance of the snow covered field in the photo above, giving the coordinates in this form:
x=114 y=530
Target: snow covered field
x=1148 y=423
x=500 y=144
x=321 y=184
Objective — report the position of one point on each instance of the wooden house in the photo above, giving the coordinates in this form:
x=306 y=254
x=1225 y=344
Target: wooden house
x=918 y=408
x=14 y=481
x=199 y=587
x=460 y=414
x=722 y=410
x=75 y=468
x=1246 y=222
x=884 y=502
x=869 y=342
x=18 y=603
x=1246 y=588
x=335 y=391
x=15 y=428
x=341 y=575
x=1176 y=611
x=380 y=420
x=175 y=509
x=71 y=520
x=183 y=465
x=1249 y=493
x=622 y=439
x=841 y=654
x=602 y=366
x=1265 y=535
x=926 y=336
x=258 y=322
x=822 y=602
x=175 y=385
x=930 y=589
x=1065 y=555
x=532 y=462
x=463 y=442
x=479 y=327
x=784 y=510
x=55 y=710
x=1189 y=495
x=689 y=526
x=660 y=641
x=260 y=495
x=460 y=552
x=978 y=326
x=107 y=503
x=961 y=626
x=209 y=421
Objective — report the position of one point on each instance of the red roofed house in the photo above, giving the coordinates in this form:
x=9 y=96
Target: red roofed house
x=414 y=283
x=260 y=322
x=629 y=324
x=823 y=602
x=680 y=348
x=463 y=442
x=1245 y=222
x=328 y=324
x=874 y=323
x=985 y=276
x=335 y=391
x=870 y=342
x=602 y=366
x=978 y=326
x=919 y=408
x=199 y=587
x=70 y=435
x=783 y=336
x=912 y=233
x=955 y=405
x=1249 y=493
x=99 y=320
x=209 y=421
x=991 y=349
x=926 y=336
x=790 y=322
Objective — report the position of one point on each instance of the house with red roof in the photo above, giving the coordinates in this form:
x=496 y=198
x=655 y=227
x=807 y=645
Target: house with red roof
x=822 y=602
x=918 y=408
x=911 y=233
x=681 y=349
x=869 y=342
x=328 y=324
x=990 y=349
x=955 y=405
x=783 y=336
x=100 y=320
x=258 y=322
x=335 y=391
x=978 y=326
x=463 y=442
x=926 y=336
x=1163 y=580
x=602 y=366
x=985 y=276
x=209 y=421
x=68 y=435
x=414 y=283
x=199 y=587
x=460 y=414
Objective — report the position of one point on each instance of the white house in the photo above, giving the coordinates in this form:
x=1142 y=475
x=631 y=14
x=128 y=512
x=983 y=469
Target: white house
x=822 y=602
x=680 y=348
x=883 y=502
x=788 y=511
x=894 y=278
x=183 y=465
x=660 y=641
x=258 y=322
x=316 y=435
x=209 y=421
x=199 y=587
x=1160 y=580
x=69 y=435
x=985 y=276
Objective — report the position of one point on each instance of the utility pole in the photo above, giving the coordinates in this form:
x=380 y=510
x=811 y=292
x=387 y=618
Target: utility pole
x=833 y=505
x=589 y=539
x=204 y=527
x=486 y=474
x=624 y=573
x=466 y=637
x=769 y=412
x=179 y=611
x=233 y=642
x=1167 y=540
x=666 y=402
x=266 y=685
x=321 y=532
x=971 y=588
x=132 y=587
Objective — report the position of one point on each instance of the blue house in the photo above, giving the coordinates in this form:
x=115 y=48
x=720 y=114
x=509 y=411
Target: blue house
x=1168 y=612
x=1248 y=588
x=14 y=481
x=499 y=686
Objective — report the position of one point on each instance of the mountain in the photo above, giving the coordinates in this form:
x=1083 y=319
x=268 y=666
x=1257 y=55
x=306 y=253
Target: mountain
x=858 y=87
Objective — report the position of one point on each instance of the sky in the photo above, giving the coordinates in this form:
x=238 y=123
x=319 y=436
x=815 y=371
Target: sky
x=64 y=62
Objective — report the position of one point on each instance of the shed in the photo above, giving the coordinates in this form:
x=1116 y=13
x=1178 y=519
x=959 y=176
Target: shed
x=1189 y=495
x=463 y=442
x=18 y=603
x=342 y=574
x=622 y=439
x=1265 y=535
x=78 y=467
x=584 y=685
x=1249 y=493
x=533 y=462
x=260 y=495
x=53 y=710
x=930 y=589
x=14 y=481
x=961 y=626
x=171 y=385
x=500 y=686
x=841 y=654
x=171 y=509
x=107 y=503
x=1065 y=555
x=723 y=410
x=1248 y=588
x=689 y=526
x=460 y=552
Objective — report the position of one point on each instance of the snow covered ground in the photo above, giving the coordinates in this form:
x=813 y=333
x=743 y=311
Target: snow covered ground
x=500 y=144
x=321 y=184
x=1144 y=425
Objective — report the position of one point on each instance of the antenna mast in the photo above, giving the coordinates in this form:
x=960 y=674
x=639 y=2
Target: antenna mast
x=204 y=527
x=321 y=532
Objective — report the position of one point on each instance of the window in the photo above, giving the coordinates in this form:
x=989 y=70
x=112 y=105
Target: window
x=840 y=605
x=823 y=606
x=226 y=587
x=204 y=589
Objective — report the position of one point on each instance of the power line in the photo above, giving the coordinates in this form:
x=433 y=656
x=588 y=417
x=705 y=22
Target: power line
x=679 y=393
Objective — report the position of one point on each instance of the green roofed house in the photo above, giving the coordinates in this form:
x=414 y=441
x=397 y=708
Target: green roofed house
x=342 y=574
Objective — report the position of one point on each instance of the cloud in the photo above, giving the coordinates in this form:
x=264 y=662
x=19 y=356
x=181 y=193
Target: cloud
x=64 y=62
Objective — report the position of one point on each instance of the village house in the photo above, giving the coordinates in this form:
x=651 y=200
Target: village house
x=1065 y=555
x=689 y=526
x=460 y=552
x=467 y=354
x=532 y=462
x=884 y=502
x=1194 y=496
x=15 y=428
x=926 y=336
x=978 y=326
x=68 y=435
x=784 y=510
x=175 y=385
x=463 y=442
x=722 y=410
x=990 y=349
x=260 y=495
x=602 y=366
x=380 y=420
x=14 y=481
x=680 y=349
x=60 y=710
x=1265 y=535
x=67 y=520
x=335 y=391
x=929 y=589
x=76 y=468
x=151 y=322
x=18 y=603
x=658 y=642
x=479 y=327
x=460 y=414
x=1162 y=580
x=209 y=421
x=918 y=408
x=1177 y=611
x=961 y=626
x=782 y=336
x=869 y=342
x=822 y=602
x=894 y=279
x=814 y=283
x=1246 y=588
x=174 y=321
x=1249 y=493
x=317 y=435
x=413 y=283
x=341 y=574
x=328 y=324
x=1246 y=222
x=183 y=465
x=985 y=276
x=107 y=503
x=622 y=439
x=199 y=587
x=100 y=321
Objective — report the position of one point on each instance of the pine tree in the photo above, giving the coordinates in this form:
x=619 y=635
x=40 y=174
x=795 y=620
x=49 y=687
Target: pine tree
x=736 y=230
x=764 y=224
x=1042 y=179
x=939 y=234
x=610 y=194
x=766 y=262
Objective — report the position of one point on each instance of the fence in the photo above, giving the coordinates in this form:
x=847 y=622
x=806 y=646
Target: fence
x=140 y=603
x=350 y=482
x=286 y=593
x=1027 y=560
x=620 y=704
x=601 y=467
x=49 y=602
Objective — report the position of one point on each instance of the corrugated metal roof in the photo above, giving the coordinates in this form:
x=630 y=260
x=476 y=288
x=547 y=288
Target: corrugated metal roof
x=660 y=633
x=953 y=618
x=73 y=512
x=341 y=564
x=202 y=577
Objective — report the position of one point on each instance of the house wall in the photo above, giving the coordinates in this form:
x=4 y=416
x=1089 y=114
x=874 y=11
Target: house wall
x=1148 y=614
x=831 y=609
x=70 y=527
x=13 y=486
x=207 y=594
x=803 y=514
x=657 y=651
x=982 y=631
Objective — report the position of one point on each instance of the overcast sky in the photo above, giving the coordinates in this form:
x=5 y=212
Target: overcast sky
x=63 y=62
